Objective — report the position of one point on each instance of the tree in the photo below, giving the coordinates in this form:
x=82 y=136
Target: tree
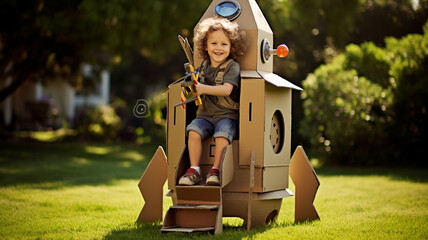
x=51 y=38
x=369 y=105
x=316 y=31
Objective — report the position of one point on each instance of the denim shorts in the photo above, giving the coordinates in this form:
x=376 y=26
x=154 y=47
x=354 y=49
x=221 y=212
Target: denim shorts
x=222 y=127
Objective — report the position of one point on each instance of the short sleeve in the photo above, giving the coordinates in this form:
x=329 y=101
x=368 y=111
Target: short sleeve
x=232 y=74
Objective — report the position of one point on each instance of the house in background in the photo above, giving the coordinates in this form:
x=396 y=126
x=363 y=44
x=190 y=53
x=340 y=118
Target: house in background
x=37 y=105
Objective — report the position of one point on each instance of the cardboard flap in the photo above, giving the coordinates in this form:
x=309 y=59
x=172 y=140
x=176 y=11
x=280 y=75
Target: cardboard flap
x=278 y=81
x=182 y=165
x=250 y=74
x=198 y=195
x=227 y=166
x=274 y=195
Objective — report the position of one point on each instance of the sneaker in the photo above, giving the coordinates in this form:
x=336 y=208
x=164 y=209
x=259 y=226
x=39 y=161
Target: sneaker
x=213 y=177
x=191 y=177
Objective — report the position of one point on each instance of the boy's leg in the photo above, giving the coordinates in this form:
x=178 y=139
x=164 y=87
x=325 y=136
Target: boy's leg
x=220 y=144
x=198 y=129
x=213 y=177
x=192 y=175
x=195 y=148
x=225 y=131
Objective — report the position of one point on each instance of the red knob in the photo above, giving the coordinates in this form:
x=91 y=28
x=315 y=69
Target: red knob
x=282 y=51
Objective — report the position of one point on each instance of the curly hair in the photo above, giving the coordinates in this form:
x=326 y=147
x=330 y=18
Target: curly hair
x=238 y=40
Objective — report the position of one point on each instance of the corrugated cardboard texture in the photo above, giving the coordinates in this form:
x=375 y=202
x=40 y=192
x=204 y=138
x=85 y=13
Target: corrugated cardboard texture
x=265 y=179
x=259 y=102
x=151 y=187
x=208 y=151
x=226 y=167
x=252 y=21
x=182 y=165
x=190 y=218
x=262 y=211
x=278 y=81
x=277 y=99
x=176 y=132
x=196 y=195
x=251 y=121
x=306 y=181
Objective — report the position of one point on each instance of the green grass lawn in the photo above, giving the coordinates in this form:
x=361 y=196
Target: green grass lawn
x=89 y=191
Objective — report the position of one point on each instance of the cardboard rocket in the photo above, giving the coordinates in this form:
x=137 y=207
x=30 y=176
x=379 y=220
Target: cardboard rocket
x=255 y=167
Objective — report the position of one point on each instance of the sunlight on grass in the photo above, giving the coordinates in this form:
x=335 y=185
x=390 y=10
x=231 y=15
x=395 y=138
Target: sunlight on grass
x=98 y=150
x=81 y=161
x=132 y=155
x=98 y=199
x=46 y=136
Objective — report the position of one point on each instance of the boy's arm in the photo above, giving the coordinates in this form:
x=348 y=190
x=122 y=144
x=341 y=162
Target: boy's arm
x=220 y=90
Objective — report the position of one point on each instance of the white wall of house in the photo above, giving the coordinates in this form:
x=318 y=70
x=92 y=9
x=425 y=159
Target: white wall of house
x=58 y=92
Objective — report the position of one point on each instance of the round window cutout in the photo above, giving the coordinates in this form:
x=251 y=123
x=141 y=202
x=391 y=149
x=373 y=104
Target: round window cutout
x=228 y=9
x=277 y=132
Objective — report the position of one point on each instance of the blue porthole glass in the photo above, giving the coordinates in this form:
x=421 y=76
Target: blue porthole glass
x=228 y=9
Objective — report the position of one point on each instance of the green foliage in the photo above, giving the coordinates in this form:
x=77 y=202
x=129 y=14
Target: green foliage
x=368 y=106
x=51 y=38
x=367 y=56
x=100 y=123
x=409 y=75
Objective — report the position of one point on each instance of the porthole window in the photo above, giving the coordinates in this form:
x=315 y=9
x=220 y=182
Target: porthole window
x=228 y=9
x=276 y=135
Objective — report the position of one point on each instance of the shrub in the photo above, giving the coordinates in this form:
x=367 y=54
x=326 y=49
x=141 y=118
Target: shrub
x=369 y=105
x=100 y=123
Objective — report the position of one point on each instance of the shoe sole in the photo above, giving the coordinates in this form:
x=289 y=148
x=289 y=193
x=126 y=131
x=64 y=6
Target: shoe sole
x=213 y=183
x=188 y=183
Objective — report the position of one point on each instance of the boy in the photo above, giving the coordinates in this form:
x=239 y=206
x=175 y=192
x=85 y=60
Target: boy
x=219 y=43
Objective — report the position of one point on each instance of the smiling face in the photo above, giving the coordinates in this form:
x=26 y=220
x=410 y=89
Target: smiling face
x=218 y=47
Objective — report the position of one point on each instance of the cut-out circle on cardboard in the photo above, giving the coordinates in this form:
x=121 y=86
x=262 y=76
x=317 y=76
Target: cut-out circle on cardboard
x=229 y=9
x=276 y=135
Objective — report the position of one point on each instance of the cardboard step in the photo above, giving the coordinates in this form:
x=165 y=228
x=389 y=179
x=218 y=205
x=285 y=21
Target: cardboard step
x=188 y=230
x=193 y=218
x=205 y=207
x=198 y=208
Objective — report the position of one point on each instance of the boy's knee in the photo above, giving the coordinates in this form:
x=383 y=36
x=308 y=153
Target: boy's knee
x=193 y=135
x=221 y=141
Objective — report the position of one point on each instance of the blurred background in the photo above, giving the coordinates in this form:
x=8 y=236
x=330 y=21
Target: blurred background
x=89 y=70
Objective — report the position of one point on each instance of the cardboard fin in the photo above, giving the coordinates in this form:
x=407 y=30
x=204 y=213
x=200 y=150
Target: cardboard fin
x=151 y=187
x=306 y=182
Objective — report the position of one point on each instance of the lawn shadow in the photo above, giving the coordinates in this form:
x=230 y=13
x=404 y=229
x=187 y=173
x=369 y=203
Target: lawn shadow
x=152 y=231
x=396 y=174
x=56 y=165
